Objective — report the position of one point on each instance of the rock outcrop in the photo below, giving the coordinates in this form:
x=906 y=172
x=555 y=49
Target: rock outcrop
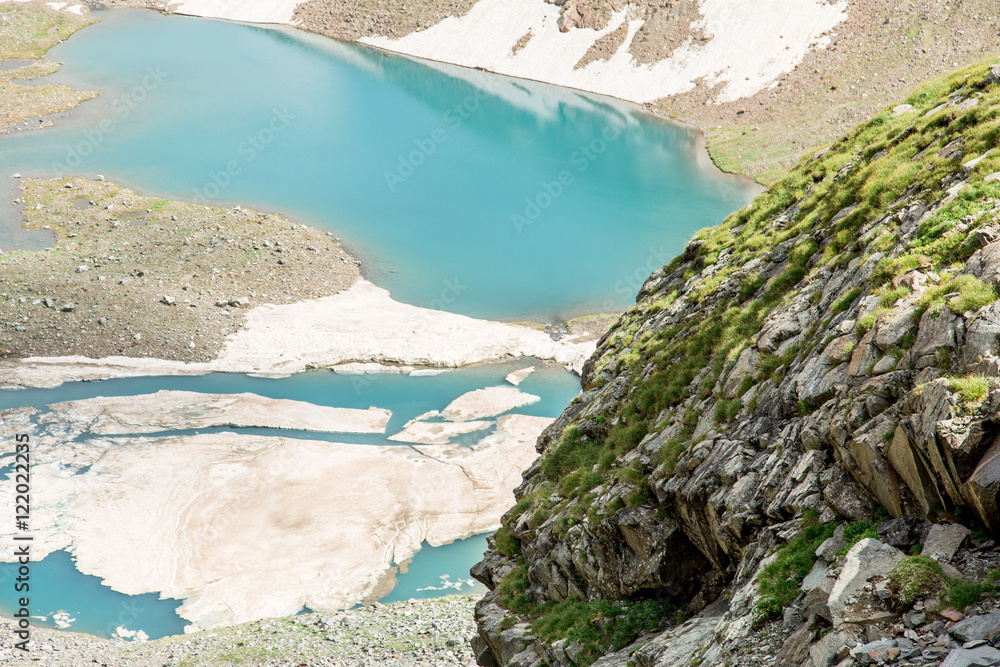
x=828 y=356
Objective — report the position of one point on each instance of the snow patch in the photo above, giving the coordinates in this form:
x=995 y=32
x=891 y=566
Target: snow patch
x=750 y=46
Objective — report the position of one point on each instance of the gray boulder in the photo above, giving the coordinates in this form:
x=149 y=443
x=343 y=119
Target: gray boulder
x=982 y=338
x=975 y=628
x=895 y=328
x=966 y=657
x=944 y=540
x=828 y=649
x=876 y=651
x=903 y=533
x=866 y=560
x=993 y=77
x=828 y=550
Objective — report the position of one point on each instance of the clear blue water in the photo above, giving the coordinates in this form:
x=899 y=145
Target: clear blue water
x=436 y=571
x=313 y=127
x=58 y=586
x=407 y=396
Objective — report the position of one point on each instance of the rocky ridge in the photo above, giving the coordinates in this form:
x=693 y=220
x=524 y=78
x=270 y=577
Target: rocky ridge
x=824 y=361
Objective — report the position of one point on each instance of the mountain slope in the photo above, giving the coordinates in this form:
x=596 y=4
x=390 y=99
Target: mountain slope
x=830 y=352
x=765 y=80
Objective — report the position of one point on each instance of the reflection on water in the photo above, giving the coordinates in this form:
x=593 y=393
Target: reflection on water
x=458 y=189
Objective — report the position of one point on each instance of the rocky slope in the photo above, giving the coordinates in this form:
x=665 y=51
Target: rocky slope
x=829 y=356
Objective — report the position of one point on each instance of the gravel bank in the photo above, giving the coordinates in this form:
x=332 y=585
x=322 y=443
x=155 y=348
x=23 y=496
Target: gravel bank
x=141 y=276
x=27 y=31
x=427 y=633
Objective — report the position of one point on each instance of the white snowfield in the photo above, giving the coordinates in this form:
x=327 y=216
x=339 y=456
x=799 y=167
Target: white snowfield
x=254 y=11
x=57 y=6
x=360 y=329
x=751 y=44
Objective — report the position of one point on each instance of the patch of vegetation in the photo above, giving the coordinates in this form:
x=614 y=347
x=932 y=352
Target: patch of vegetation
x=725 y=410
x=961 y=293
x=772 y=366
x=29 y=30
x=856 y=531
x=505 y=543
x=779 y=582
x=845 y=302
x=750 y=285
x=512 y=592
x=865 y=324
x=915 y=577
x=963 y=592
x=973 y=294
x=599 y=626
x=573 y=452
x=671 y=452
x=971 y=390
x=889 y=297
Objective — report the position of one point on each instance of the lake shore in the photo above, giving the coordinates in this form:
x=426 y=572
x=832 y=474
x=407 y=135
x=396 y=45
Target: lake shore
x=31 y=28
x=766 y=84
x=139 y=285
x=144 y=286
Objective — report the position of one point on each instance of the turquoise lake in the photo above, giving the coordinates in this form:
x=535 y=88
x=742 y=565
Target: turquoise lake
x=457 y=189
x=473 y=217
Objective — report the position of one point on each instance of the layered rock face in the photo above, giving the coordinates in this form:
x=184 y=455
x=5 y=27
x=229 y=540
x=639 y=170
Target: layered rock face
x=829 y=354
